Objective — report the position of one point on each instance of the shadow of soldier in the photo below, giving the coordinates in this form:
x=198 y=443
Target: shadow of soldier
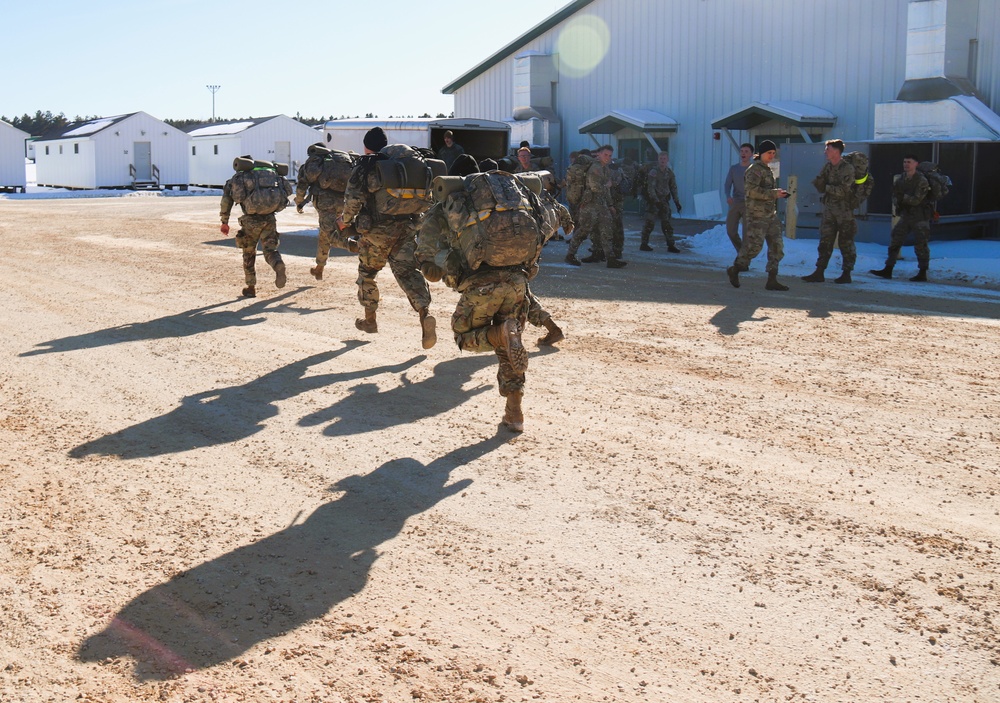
x=229 y=414
x=367 y=409
x=728 y=319
x=183 y=324
x=219 y=609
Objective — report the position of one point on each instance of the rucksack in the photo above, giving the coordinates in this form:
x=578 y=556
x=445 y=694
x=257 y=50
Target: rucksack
x=940 y=183
x=864 y=183
x=335 y=171
x=497 y=220
x=402 y=180
x=310 y=170
x=262 y=191
x=576 y=179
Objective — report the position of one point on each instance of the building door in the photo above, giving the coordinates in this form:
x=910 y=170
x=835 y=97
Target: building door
x=142 y=159
x=283 y=153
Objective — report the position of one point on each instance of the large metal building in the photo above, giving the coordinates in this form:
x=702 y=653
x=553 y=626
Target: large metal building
x=698 y=77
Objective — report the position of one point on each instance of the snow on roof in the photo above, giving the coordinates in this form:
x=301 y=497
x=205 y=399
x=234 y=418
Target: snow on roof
x=218 y=129
x=90 y=127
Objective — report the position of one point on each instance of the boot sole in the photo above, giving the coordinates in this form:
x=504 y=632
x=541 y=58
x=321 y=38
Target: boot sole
x=279 y=276
x=734 y=276
x=512 y=344
x=427 y=326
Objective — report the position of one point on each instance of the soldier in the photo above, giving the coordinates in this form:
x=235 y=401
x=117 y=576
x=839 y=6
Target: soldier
x=596 y=213
x=735 y=196
x=576 y=180
x=909 y=201
x=450 y=151
x=661 y=187
x=621 y=186
x=260 y=193
x=524 y=160
x=835 y=183
x=383 y=239
x=492 y=309
x=329 y=203
x=761 y=220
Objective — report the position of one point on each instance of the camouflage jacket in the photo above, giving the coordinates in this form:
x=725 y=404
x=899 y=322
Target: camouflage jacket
x=598 y=187
x=661 y=187
x=761 y=190
x=836 y=184
x=909 y=195
x=435 y=244
x=556 y=214
x=363 y=182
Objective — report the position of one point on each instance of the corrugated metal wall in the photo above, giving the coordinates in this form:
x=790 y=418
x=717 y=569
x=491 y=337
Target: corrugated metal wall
x=697 y=60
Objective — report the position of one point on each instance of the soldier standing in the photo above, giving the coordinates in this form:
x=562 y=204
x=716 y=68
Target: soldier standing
x=661 y=188
x=761 y=219
x=596 y=213
x=261 y=191
x=835 y=182
x=451 y=150
x=576 y=180
x=329 y=203
x=909 y=200
x=383 y=239
x=735 y=196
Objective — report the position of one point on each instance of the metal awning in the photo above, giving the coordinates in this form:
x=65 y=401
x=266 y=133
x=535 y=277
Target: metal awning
x=788 y=111
x=641 y=120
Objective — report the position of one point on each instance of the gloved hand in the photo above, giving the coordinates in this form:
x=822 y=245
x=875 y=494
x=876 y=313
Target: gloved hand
x=432 y=272
x=224 y=228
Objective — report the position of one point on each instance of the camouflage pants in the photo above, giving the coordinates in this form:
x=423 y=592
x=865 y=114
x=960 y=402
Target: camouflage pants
x=921 y=228
x=756 y=231
x=537 y=315
x=330 y=235
x=488 y=298
x=253 y=229
x=394 y=243
x=838 y=225
x=618 y=230
x=661 y=212
x=736 y=213
x=595 y=222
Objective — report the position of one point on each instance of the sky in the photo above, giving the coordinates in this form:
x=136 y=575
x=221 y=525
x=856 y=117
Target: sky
x=317 y=58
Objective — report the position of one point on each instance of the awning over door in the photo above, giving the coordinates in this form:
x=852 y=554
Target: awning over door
x=788 y=111
x=646 y=121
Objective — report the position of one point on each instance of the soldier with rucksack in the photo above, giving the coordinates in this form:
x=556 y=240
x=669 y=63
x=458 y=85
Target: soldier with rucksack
x=260 y=189
x=323 y=180
x=835 y=183
x=910 y=201
x=483 y=237
x=388 y=191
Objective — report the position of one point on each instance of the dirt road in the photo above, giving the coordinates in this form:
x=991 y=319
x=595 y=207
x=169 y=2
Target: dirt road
x=720 y=495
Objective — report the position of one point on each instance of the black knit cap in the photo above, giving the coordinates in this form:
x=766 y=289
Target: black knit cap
x=463 y=166
x=766 y=145
x=375 y=139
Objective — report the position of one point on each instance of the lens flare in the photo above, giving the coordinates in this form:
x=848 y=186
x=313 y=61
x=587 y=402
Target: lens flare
x=582 y=45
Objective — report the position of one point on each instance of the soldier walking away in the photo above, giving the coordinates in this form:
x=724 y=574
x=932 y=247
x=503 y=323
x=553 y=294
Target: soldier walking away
x=835 y=183
x=260 y=189
x=736 y=196
x=482 y=238
x=387 y=225
x=322 y=180
x=661 y=188
x=761 y=219
x=596 y=212
x=910 y=192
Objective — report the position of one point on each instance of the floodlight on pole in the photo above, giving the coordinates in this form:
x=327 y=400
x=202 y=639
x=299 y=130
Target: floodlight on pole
x=214 y=89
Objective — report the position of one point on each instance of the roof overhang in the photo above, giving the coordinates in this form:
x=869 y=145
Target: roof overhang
x=646 y=121
x=800 y=115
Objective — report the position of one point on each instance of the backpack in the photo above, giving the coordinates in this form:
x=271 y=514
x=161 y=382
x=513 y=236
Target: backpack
x=402 y=180
x=576 y=179
x=940 y=183
x=310 y=170
x=864 y=183
x=335 y=171
x=262 y=191
x=497 y=220
x=641 y=179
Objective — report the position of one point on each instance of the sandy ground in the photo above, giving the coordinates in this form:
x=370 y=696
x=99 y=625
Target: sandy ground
x=720 y=495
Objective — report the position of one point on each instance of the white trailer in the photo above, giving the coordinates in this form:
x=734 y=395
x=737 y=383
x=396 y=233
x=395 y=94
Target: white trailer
x=480 y=138
x=13 y=176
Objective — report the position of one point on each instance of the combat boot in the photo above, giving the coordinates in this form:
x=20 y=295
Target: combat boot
x=845 y=277
x=645 y=247
x=672 y=248
x=250 y=292
x=368 y=324
x=815 y=277
x=513 y=418
x=427 y=326
x=882 y=273
x=507 y=337
x=734 y=276
x=772 y=282
x=317 y=272
x=554 y=335
x=279 y=275
x=594 y=258
x=571 y=259
x=614 y=263
x=921 y=275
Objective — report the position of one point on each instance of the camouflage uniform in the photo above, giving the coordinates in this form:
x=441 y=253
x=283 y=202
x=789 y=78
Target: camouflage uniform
x=253 y=229
x=556 y=216
x=621 y=185
x=328 y=203
x=909 y=198
x=836 y=184
x=761 y=219
x=386 y=239
x=576 y=182
x=596 y=217
x=661 y=188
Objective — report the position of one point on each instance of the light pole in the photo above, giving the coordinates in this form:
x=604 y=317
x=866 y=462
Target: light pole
x=214 y=89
